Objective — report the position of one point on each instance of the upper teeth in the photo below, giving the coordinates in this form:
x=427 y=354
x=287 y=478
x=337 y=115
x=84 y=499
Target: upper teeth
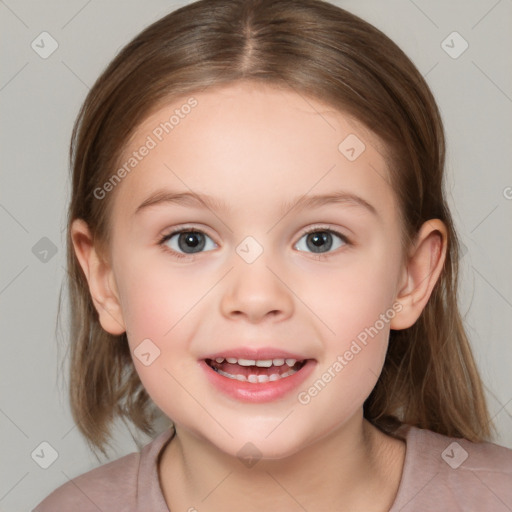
x=264 y=363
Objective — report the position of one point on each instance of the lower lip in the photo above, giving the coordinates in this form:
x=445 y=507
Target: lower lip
x=259 y=391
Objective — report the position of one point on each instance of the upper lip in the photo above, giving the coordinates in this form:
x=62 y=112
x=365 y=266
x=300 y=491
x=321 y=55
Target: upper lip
x=257 y=354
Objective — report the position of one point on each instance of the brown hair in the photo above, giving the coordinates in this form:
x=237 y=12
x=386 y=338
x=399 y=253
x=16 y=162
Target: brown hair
x=429 y=377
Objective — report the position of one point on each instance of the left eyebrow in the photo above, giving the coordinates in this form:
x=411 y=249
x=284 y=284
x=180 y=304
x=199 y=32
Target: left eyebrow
x=338 y=197
x=207 y=201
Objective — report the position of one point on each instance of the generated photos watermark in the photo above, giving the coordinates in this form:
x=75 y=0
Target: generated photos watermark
x=157 y=135
x=342 y=360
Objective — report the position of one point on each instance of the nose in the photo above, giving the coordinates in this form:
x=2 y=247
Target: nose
x=255 y=291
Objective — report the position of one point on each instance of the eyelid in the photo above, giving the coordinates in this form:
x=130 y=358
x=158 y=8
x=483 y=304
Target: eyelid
x=194 y=228
x=346 y=242
x=162 y=239
x=179 y=229
x=327 y=227
x=311 y=229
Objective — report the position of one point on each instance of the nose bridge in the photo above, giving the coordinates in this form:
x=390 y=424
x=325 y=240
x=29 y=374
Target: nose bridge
x=255 y=287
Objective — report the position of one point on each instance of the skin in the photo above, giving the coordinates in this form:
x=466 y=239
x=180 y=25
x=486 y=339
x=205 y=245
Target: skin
x=255 y=147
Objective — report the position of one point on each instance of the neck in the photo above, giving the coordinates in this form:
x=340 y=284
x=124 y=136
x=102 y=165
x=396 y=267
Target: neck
x=344 y=470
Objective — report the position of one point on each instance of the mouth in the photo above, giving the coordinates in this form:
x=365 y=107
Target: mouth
x=256 y=371
x=256 y=375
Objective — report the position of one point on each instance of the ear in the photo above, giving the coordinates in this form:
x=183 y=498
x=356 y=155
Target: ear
x=100 y=278
x=421 y=272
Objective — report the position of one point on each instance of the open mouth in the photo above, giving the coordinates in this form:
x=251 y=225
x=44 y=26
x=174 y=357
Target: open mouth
x=255 y=370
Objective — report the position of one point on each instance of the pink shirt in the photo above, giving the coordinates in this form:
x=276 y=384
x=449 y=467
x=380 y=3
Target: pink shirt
x=440 y=473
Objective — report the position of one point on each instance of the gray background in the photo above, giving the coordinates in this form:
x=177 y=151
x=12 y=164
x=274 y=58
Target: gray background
x=40 y=99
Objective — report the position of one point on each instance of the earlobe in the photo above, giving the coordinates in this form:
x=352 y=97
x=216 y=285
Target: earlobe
x=100 y=279
x=423 y=268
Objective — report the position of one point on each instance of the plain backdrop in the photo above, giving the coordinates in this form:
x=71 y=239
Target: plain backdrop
x=40 y=98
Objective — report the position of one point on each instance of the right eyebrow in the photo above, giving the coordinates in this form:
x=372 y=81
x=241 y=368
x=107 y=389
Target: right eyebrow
x=161 y=197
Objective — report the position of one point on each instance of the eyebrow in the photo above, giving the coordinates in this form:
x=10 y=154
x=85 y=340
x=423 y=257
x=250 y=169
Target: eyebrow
x=193 y=199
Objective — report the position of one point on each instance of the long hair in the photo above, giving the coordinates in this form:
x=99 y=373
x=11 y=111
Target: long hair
x=321 y=51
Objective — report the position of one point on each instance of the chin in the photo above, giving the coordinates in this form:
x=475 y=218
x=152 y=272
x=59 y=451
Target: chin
x=259 y=445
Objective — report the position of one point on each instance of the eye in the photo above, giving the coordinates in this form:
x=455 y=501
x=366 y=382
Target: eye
x=186 y=241
x=320 y=240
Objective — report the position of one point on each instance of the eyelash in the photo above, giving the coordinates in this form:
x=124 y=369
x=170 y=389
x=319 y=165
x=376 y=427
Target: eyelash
x=317 y=256
x=321 y=229
x=168 y=236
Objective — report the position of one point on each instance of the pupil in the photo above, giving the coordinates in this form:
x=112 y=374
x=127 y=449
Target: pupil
x=189 y=241
x=319 y=238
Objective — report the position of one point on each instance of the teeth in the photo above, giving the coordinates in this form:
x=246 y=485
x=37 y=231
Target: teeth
x=246 y=362
x=255 y=379
x=262 y=363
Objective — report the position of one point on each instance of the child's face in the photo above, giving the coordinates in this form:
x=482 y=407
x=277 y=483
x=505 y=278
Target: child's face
x=257 y=284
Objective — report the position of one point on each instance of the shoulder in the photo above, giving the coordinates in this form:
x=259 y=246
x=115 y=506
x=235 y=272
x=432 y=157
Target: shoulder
x=101 y=487
x=117 y=485
x=458 y=453
x=441 y=471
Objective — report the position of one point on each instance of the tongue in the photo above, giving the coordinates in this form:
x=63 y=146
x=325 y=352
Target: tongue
x=236 y=369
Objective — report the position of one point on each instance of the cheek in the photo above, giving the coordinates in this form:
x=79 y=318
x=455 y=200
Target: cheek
x=356 y=305
x=159 y=308
x=352 y=297
x=156 y=298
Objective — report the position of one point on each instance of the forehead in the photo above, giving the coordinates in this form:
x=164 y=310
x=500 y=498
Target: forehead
x=249 y=141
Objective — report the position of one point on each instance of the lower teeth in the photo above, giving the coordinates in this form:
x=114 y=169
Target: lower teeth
x=255 y=379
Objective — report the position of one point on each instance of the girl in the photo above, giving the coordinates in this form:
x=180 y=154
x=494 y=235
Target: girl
x=260 y=245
